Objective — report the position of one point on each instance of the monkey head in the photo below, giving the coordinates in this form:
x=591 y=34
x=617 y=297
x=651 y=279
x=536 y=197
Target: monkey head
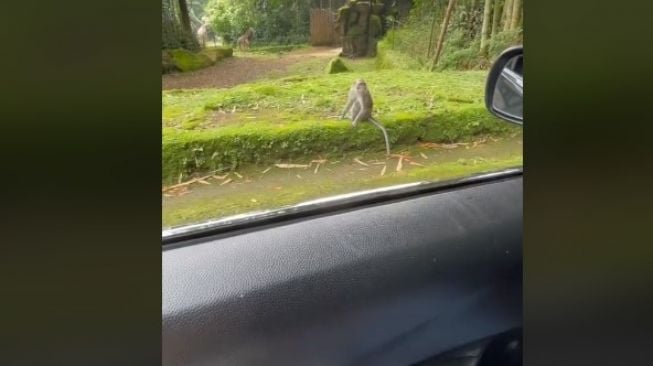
x=360 y=85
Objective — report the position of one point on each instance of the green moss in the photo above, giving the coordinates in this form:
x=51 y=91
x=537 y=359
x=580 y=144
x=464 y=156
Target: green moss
x=356 y=30
x=218 y=53
x=335 y=66
x=279 y=48
x=375 y=26
x=377 y=8
x=185 y=60
x=167 y=65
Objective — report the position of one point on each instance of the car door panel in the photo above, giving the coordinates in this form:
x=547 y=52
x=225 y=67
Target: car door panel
x=385 y=284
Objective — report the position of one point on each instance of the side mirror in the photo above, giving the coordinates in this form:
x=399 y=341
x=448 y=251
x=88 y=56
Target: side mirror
x=504 y=90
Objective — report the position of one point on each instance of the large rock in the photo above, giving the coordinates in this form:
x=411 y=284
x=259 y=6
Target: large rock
x=218 y=53
x=335 y=66
x=185 y=60
x=361 y=25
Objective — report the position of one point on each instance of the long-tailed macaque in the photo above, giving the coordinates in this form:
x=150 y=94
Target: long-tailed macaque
x=246 y=39
x=204 y=32
x=360 y=103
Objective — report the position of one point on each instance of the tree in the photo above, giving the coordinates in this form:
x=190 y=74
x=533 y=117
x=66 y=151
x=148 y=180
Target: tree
x=485 y=28
x=185 y=18
x=443 y=31
x=507 y=14
x=428 y=52
x=496 y=17
x=515 y=21
x=275 y=21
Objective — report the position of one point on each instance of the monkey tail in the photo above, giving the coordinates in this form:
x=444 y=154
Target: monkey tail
x=385 y=134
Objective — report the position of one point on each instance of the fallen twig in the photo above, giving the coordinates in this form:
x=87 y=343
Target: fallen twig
x=292 y=166
x=165 y=189
x=360 y=162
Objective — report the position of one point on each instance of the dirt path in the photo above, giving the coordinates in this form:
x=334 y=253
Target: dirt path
x=243 y=68
x=258 y=188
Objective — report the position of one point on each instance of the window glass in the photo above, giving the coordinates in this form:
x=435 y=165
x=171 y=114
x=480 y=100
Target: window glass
x=253 y=94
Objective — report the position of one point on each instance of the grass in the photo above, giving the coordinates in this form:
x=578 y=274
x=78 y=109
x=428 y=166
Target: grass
x=292 y=117
x=274 y=48
x=239 y=201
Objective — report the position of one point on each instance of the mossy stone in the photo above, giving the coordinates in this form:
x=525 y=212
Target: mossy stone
x=376 y=26
x=167 y=65
x=378 y=8
x=335 y=66
x=186 y=60
x=218 y=53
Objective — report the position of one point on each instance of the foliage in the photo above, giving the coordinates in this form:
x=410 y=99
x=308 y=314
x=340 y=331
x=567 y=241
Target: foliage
x=275 y=21
x=173 y=34
x=387 y=58
x=293 y=117
x=415 y=38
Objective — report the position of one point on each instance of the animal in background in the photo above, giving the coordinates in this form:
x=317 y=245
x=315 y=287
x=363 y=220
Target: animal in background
x=245 y=40
x=205 y=32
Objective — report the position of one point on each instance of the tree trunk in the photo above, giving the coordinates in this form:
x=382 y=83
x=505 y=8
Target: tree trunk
x=507 y=14
x=496 y=17
x=485 y=28
x=515 y=21
x=185 y=18
x=443 y=31
x=428 y=52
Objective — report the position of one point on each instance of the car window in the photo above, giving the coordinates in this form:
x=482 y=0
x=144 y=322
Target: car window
x=253 y=96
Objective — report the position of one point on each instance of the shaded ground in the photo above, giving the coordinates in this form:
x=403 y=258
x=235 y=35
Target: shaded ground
x=243 y=68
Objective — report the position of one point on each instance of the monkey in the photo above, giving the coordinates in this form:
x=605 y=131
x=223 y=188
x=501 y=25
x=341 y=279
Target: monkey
x=205 y=32
x=360 y=103
x=245 y=40
x=202 y=33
